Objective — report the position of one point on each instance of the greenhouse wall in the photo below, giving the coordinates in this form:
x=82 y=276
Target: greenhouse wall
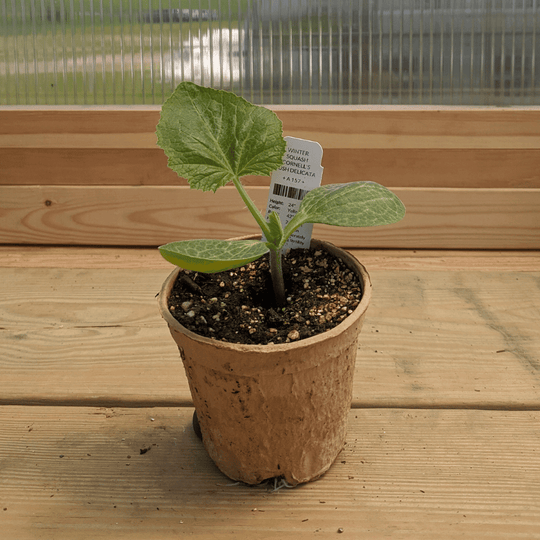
x=439 y=52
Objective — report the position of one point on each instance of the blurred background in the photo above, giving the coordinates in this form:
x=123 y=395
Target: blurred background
x=439 y=52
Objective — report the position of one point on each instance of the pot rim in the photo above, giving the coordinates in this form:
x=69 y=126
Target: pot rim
x=347 y=258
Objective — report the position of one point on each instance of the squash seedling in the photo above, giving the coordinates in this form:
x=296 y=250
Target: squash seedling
x=213 y=137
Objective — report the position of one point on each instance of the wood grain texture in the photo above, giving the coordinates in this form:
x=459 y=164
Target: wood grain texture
x=347 y=139
x=78 y=473
x=406 y=147
x=333 y=127
x=433 y=167
x=137 y=216
x=430 y=339
x=443 y=439
x=398 y=167
x=80 y=167
x=78 y=120
x=13 y=256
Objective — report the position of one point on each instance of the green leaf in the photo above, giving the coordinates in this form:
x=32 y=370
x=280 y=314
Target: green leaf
x=357 y=204
x=212 y=136
x=275 y=229
x=211 y=256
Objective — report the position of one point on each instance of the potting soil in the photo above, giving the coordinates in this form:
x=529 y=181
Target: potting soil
x=238 y=305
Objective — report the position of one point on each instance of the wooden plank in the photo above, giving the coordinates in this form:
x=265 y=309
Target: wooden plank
x=343 y=140
x=450 y=338
x=436 y=218
x=93 y=120
x=467 y=168
x=78 y=473
x=103 y=166
x=430 y=339
x=333 y=127
x=374 y=259
x=72 y=335
x=451 y=168
x=407 y=147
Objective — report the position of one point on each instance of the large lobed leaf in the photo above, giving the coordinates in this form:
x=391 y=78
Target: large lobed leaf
x=211 y=136
x=211 y=256
x=357 y=204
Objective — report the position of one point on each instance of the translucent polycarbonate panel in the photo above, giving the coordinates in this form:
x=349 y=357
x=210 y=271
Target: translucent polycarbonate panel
x=462 y=52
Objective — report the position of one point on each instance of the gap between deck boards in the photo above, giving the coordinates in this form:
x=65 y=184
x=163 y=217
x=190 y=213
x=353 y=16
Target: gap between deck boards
x=171 y=403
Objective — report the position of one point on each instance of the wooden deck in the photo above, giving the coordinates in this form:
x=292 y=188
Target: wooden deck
x=444 y=437
x=95 y=412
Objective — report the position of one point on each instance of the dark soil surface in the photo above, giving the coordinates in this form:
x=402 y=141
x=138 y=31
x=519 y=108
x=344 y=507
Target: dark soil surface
x=238 y=306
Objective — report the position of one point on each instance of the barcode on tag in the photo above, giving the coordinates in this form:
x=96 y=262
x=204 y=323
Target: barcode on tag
x=300 y=173
x=289 y=192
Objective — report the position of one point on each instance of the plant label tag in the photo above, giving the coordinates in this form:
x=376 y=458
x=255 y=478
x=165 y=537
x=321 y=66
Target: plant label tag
x=300 y=173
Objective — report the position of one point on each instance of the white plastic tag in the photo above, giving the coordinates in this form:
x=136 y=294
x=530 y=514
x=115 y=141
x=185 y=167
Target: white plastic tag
x=301 y=172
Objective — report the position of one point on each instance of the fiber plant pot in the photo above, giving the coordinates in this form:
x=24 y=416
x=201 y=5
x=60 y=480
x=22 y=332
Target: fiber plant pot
x=273 y=410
